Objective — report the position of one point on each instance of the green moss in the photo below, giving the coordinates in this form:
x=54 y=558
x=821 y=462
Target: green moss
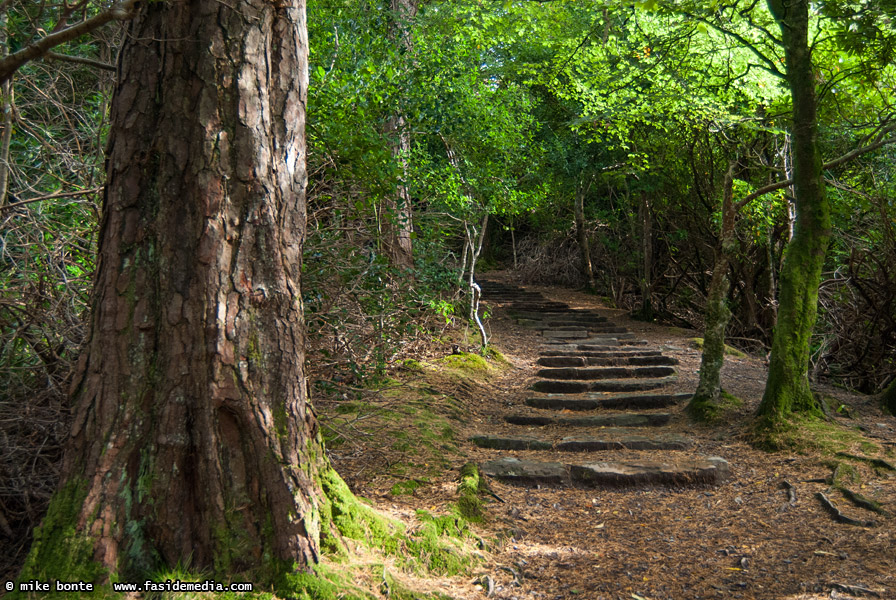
x=697 y=343
x=494 y=354
x=469 y=504
x=59 y=550
x=406 y=488
x=325 y=583
x=435 y=545
x=465 y=362
x=803 y=433
x=412 y=365
x=343 y=512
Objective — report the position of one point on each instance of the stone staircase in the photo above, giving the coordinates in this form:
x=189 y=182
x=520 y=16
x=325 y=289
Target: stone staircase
x=601 y=394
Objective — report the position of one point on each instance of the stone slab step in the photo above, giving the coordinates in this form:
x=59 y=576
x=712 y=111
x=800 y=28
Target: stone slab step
x=589 y=373
x=591 y=361
x=612 y=420
x=562 y=348
x=605 y=353
x=565 y=334
x=602 y=340
x=553 y=386
x=695 y=471
x=609 y=439
x=572 y=322
x=596 y=401
x=503 y=442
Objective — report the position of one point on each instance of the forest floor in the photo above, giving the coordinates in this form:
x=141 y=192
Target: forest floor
x=763 y=534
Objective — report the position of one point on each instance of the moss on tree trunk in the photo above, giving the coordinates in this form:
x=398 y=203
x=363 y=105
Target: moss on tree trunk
x=787 y=389
x=193 y=442
x=704 y=405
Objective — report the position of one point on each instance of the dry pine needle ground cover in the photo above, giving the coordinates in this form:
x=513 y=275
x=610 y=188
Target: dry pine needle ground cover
x=764 y=534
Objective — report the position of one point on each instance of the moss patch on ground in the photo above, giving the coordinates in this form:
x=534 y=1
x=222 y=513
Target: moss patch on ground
x=809 y=434
x=697 y=343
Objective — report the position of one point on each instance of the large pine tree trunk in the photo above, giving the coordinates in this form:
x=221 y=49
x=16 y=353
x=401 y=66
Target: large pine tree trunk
x=192 y=440
x=787 y=390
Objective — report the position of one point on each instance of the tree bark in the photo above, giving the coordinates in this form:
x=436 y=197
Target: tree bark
x=192 y=440
x=705 y=402
x=787 y=390
x=582 y=236
x=888 y=397
x=399 y=221
x=646 y=221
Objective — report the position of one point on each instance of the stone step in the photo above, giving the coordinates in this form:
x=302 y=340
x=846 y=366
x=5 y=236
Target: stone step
x=640 y=419
x=570 y=322
x=565 y=334
x=562 y=349
x=538 y=306
x=589 y=373
x=606 y=353
x=610 y=439
x=593 y=361
x=601 y=340
x=568 y=313
x=596 y=401
x=692 y=471
x=552 y=386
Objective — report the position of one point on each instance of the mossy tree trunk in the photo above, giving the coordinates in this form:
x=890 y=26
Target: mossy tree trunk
x=889 y=397
x=705 y=402
x=582 y=237
x=193 y=441
x=787 y=390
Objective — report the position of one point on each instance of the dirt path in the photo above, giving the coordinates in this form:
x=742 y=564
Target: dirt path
x=746 y=537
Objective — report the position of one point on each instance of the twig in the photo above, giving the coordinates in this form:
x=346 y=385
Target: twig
x=52 y=197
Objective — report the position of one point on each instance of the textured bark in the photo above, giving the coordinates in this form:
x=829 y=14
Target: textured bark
x=192 y=439
x=582 y=236
x=705 y=402
x=787 y=390
x=399 y=218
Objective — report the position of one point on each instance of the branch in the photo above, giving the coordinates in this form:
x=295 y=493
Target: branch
x=120 y=11
x=828 y=165
x=80 y=60
x=52 y=197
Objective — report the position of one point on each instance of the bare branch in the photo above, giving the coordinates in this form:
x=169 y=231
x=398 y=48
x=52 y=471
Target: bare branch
x=828 y=165
x=79 y=60
x=120 y=11
x=52 y=197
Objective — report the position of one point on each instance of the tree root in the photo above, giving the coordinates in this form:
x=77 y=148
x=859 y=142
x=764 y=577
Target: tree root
x=863 y=502
x=877 y=462
x=839 y=516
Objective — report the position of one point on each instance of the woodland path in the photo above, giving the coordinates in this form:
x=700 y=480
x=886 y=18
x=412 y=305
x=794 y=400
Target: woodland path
x=618 y=387
x=607 y=491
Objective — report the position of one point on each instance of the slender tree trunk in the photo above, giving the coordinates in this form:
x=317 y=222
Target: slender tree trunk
x=6 y=108
x=399 y=222
x=705 y=402
x=582 y=236
x=192 y=439
x=787 y=390
x=647 y=258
